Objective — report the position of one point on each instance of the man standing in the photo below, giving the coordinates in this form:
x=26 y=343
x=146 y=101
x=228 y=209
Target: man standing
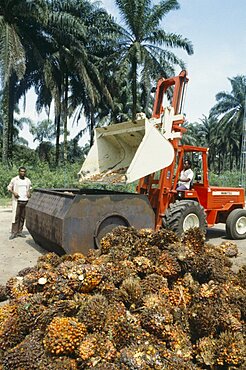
x=186 y=176
x=20 y=187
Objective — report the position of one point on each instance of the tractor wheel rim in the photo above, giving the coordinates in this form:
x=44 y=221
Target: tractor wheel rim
x=241 y=225
x=190 y=221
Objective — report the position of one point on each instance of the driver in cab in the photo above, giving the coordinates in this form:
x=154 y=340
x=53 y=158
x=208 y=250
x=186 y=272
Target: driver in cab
x=186 y=176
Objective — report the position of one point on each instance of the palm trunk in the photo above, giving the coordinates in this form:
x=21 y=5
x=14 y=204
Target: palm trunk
x=209 y=162
x=65 y=106
x=65 y=119
x=231 y=162
x=219 y=169
x=58 y=126
x=92 y=125
x=238 y=161
x=6 y=126
x=224 y=161
x=134 y=89
x=11 y=117
x=58 y=132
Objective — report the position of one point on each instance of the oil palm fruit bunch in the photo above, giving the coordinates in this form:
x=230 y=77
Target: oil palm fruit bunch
x=146 y=300
x=63 y=335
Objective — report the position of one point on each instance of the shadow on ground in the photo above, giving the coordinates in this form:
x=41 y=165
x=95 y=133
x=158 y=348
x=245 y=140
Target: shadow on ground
x=216 y=234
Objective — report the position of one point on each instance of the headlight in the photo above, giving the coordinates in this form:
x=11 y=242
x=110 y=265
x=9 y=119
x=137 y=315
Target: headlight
x=180 y=194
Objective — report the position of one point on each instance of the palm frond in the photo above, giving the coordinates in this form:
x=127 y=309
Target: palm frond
x=12 y=54
x=158 y=12
x=171 y=40
x=133 y=12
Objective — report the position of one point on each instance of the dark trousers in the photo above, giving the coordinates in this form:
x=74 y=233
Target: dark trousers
x=20 y=215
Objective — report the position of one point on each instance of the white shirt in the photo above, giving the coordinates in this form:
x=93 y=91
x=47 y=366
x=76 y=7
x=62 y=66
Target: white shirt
x=23 y=187
x=186 y=174
x=20 y=186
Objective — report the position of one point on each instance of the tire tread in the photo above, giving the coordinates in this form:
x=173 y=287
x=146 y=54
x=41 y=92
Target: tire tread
x=175 y=212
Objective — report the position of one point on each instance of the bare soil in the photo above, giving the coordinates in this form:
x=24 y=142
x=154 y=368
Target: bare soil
x=18 y=253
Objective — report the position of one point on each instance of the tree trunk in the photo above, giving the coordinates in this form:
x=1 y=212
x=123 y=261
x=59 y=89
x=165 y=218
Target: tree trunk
x=134 y=89
x=11 y=118
x=65 y=109
x=219 y=167
x=92 y=125
x=6 y=125
x=231 y=160
x=58 y=126
x=58 y=132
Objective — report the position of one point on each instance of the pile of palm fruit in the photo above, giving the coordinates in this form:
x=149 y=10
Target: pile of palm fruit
x=145 y=300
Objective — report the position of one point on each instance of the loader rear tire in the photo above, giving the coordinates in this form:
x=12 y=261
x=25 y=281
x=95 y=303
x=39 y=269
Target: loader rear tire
x=236 y=224
x=183 y=215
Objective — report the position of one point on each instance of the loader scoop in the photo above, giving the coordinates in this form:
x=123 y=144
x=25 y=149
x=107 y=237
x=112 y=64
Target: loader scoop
x=125 y=152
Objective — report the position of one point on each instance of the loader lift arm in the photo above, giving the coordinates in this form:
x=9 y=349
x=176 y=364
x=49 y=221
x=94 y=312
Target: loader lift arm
x=179 y=82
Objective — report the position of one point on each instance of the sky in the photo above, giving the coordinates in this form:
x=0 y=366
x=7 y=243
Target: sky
x=217 y=30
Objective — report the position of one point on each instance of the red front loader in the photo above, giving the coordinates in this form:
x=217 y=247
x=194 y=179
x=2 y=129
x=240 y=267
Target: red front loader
x=159 y=159
x=147 y=151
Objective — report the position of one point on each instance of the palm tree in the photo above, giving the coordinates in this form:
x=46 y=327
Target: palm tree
x=44 y=129
x=43 y=132
x=89 y=81
x=207 y=134
x=17 y=24
x=144 y=47
x=51 y=70
x=30 y=31
x=229 y=110
x=190 y=137
x=68 y=31
x=206 y=127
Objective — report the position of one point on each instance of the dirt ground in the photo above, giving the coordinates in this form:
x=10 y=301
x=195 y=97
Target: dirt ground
x=19 y=253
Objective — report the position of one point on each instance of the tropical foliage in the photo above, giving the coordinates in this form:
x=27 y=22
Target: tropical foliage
x=75 y=55
x=230 y=113
x=42 y=176
x=143 y=43
x=81 y=61
x=222 y=130
x=19 y=30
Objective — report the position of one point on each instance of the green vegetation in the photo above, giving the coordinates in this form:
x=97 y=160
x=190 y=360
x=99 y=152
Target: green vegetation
x=5 y=202
x=228 y=178
x=78 y=59
x=222 y=131
x=42 y=176
x=76 y=56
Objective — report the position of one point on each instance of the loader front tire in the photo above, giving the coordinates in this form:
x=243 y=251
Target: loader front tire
x=236 y=224
x=183 y=215
x=107 y=224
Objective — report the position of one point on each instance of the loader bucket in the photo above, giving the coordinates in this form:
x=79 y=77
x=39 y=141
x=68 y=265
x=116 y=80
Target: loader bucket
x=75 y=220
x=126 y=152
